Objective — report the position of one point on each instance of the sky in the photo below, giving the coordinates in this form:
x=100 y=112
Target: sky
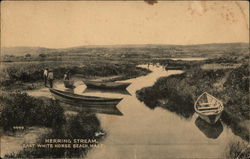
x=61 y=24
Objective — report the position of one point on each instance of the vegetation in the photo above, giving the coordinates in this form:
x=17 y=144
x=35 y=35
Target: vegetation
x=33 y=72
x=82 y=126
x=104 y=60
x=178 y=93
x=177 y=64
x=42 y=55
x=128 y=51
x=19 y=109
x=169 y=94
x=226 y=77
x=27 y=55
x=126 y=71
x=238 y=150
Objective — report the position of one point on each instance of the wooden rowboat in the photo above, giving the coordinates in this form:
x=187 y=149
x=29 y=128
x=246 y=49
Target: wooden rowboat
x=84 y=101
x=68 y=83
x=116 y=91
x=106 y=85
x=208 y=108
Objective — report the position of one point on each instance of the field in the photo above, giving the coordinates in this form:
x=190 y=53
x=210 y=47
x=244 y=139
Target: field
x=25 y=64
x=30 y=75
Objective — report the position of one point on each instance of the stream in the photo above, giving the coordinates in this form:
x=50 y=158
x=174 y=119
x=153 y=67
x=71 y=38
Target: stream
x=144 y=133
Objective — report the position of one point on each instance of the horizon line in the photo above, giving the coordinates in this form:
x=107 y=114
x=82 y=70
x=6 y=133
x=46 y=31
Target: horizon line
x=118 y=45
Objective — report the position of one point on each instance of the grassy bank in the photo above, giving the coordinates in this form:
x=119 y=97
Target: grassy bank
x=28 y=75
x=20 y=109
x=238 y=150
x=81 y=126
x=178 y=93
x=177 y=64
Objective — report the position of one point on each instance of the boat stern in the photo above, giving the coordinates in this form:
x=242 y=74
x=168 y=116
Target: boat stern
x=211 y=119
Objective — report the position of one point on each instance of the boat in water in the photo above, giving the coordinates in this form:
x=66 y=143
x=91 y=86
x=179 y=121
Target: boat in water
x=106 y=85
x=116 y=91
x=208 y=108
x=84 y=101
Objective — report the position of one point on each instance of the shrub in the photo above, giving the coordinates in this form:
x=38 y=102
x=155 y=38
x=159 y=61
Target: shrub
x=19 y=109
x=82 y=126
x=31 y=72
x=179 y=98
x=42 y=55
x=238 y=150
x=27 y=55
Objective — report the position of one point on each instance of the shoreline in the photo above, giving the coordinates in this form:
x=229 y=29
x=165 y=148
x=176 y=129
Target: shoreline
x=34 y=80
x=177 y=93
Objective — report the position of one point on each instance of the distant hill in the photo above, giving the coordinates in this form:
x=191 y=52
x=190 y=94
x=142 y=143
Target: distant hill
x=219 y=48
x=19 y=51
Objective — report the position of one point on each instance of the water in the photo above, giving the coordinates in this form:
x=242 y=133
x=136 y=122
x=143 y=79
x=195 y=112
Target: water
x=15 y=143
x=144 y=133
x=148 y=134
x=190 y=58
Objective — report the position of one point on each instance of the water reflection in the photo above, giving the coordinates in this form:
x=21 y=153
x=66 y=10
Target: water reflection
x=94 y=110
x=181 y=110
x=117 y=91
x=14 y=143
x=173 y=103
x=71 y=90
x=152 y=133
x=211 y=131
x=190 y=59
x=155 y=133
x=81 y=89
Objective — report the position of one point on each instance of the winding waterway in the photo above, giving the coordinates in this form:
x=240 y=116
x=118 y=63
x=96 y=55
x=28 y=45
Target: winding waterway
x=144 y=133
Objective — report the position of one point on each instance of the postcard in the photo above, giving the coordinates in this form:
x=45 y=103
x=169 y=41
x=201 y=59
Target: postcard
x=125 y=79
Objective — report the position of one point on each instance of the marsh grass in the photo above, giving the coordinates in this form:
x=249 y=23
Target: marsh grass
x=19 y=74
x=238 y=150
x=82 y=126
x=220 y=66
x=181 y=91
x=20 y=109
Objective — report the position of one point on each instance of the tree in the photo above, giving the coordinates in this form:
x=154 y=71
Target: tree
x=27 y=55
x=42 y=55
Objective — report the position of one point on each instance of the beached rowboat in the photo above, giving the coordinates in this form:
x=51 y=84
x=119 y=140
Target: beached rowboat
x=208 y=108
x=85 y=101
x=106 y=85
